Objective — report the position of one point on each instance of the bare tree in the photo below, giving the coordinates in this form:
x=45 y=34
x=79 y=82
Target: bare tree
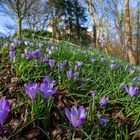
x=17 y=8
x=38 y=16
x=128 y=37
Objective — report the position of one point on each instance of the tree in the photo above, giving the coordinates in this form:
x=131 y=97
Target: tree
x=138 y=31
x=80 y=17
x=54 y=8
x=18 y=8
x=37 y=17
x=128 y=37
x=74 y=17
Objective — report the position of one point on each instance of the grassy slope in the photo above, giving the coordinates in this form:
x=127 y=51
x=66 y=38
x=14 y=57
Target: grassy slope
x=122 y=110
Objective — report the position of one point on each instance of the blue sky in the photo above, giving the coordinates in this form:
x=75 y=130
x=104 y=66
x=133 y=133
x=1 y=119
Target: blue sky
x=4 y=20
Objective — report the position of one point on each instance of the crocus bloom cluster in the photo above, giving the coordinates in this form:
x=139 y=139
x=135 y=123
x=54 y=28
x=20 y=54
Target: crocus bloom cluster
x=31 y=89
x=76 y=117
x=104 y=101
x=131 y=90
x=47 y=88
x=30 y=54
x=4 y=107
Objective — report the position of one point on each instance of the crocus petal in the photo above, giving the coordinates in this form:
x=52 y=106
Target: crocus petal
x=74 y=116
x=81 y=112
x=134 y=91
x=104 y=101
x=93 y=92
x=103 y=122
x=68 y=114
x=127 y=88
x=74 y=111
x=79 y=122
x=26 y=88
x=4 y=107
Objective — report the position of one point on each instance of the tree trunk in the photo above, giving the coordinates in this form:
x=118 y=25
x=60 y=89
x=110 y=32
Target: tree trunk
x=138 y=33
x=94 y=35
x=128 y=37
x=19 y=28
x=92 y=20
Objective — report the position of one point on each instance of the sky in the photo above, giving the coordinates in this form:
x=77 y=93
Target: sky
x=5 y=19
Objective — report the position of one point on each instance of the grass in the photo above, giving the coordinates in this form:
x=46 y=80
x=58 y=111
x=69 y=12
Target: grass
x=122 y=110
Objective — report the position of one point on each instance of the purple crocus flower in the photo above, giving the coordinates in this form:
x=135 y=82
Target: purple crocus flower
x=31 y=54
x=23 y=55
x=93 y=93
x=40 y=45
x=47 y=89
x=38 y=53
x=12 y=47
x=103 y=121
x=103 y=59
x=69 y=73
x=76 y=74
x=132 y=91
x=45 y=58
x=104 y=101
x=78 y=64
x=112 y=66
x=4 y=107
x=49 y=81
x=31 y=89
x=26 y=51
x=48 y=50
x=61 y=65
x=51 y=63
x=76 y=117
x=12 y=54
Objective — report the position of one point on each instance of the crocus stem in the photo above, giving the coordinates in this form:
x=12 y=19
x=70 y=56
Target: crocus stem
x=32 y=113
x=74 y=133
